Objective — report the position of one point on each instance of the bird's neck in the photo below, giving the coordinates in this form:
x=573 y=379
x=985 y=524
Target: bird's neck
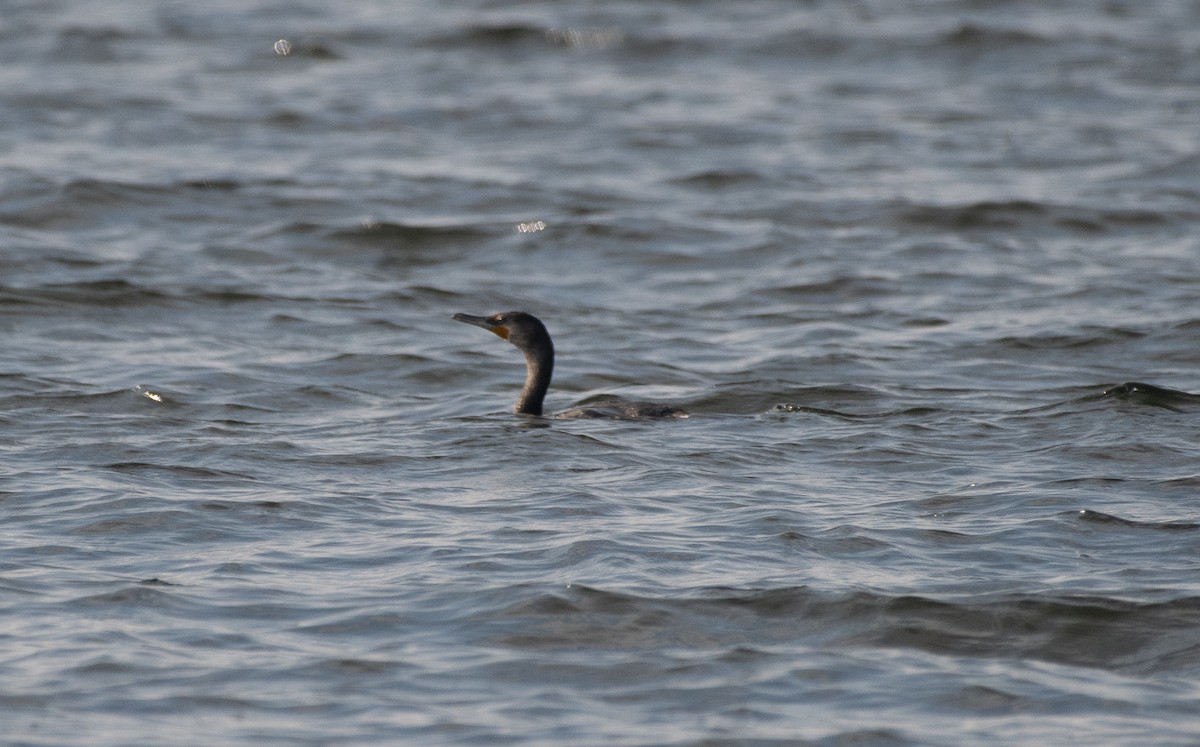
x=539 y=365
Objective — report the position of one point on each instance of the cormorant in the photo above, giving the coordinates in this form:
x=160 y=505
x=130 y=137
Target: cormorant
x=529 y=335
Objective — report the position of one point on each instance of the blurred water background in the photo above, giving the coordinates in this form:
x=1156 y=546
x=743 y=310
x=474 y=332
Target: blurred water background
x=901 y=262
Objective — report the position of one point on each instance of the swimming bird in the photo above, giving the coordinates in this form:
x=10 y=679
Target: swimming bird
x=529 y=335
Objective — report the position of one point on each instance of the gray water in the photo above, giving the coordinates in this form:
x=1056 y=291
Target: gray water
x=909 y=266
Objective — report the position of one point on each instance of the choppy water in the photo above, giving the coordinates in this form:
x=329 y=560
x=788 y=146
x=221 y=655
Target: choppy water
x=896 y=258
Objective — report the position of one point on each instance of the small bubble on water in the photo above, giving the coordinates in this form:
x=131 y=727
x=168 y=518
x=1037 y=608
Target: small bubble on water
x=283 y=47
x=155 y=396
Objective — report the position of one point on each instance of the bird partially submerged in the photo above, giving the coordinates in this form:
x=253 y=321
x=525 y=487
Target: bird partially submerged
x=529 y=335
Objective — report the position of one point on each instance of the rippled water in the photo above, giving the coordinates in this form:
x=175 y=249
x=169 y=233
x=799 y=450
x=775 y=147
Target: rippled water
x=925 y=275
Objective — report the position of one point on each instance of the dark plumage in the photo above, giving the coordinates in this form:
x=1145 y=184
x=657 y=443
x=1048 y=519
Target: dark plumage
x=529 y=335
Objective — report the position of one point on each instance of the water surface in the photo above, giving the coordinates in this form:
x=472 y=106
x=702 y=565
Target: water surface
x=924 y=275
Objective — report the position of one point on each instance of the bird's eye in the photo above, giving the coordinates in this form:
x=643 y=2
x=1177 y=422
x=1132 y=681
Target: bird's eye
x=497 y=319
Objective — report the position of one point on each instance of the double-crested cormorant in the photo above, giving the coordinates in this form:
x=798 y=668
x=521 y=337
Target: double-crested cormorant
x=529 y=335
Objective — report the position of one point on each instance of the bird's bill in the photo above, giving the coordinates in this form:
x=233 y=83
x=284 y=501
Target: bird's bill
x=483 y=321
